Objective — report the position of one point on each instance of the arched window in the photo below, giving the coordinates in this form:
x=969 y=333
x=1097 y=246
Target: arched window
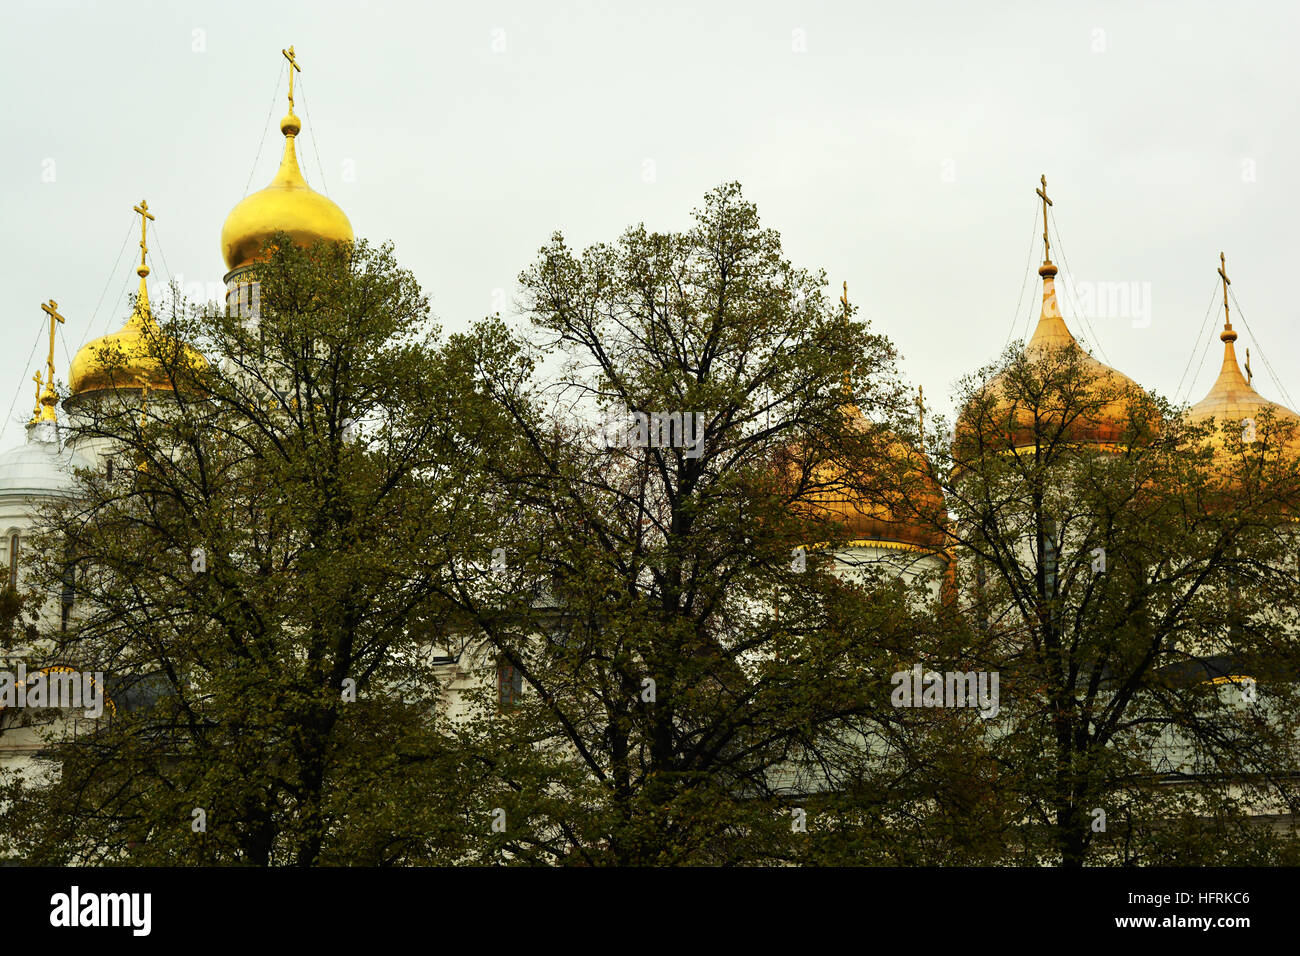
x=510 y=685
x=15 y=546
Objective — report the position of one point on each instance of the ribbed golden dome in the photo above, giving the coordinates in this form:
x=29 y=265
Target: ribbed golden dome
x=1010 y=426
x=126 y=359
x=288 y=205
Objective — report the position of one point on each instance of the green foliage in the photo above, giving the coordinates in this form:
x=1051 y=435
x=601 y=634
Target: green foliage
x=277 y=544
x=1113 y=583
x=689 y=689
x=341 y=524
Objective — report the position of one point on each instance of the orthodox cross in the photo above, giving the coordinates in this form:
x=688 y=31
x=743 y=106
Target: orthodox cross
x=1223 y=274
x=145 y=214
x=142 y=270
x=1042 y=194
x=847 y=385
x=293 y=67
x=52 y=310
x=36 y=412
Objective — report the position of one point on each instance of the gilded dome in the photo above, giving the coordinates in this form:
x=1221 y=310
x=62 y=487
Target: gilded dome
x=903 y=513
x=1232 y=400
x=128 y=358
x=1008 y=425
x=288 y=205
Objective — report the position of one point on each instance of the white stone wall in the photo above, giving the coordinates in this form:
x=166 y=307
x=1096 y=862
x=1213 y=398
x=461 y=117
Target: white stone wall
x=33 y=475
x=862 y=560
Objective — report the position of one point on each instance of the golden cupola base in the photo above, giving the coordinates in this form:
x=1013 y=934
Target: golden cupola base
x=287 y=205
x=130 y=358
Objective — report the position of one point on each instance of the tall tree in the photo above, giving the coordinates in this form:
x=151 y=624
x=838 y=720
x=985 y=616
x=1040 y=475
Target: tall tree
x=691 y=668
x=1126 y=579
x=260 y=576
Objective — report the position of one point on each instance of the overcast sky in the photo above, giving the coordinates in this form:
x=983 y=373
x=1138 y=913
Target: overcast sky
x=895 y=145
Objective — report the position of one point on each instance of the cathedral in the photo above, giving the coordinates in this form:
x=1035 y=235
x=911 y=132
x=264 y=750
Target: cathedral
x=117 y=369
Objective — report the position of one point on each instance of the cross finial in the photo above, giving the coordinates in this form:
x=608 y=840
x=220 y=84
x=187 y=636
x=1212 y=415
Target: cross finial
x=52 y=310
x=49 y=398
x=145 y=215
x=920 y=411
x=846 y=386
x=293 y=68
x=36 y=409
x=1042 y=194
x=1223 y=274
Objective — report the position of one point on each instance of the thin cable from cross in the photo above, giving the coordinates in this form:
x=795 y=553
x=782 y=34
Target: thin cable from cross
x=112 y=272
x=28 y=364
x=1202 y=344
x=274 y=96
x=1024 y=282
x=311 y=129
x=1260 y=348
x=1069 y=286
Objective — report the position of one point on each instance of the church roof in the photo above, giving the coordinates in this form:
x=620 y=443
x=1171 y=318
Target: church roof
x=41 y=468
x=287 y=205
x=1011 y=425
x=130 y=358
x=1232 y=400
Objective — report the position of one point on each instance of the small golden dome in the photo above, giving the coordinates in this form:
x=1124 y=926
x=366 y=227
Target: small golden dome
x=1234 y=401
x=127 y=358
x=1103 y=426
x=288 y=205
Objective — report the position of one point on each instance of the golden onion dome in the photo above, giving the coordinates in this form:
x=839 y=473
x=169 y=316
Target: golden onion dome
x=129 y=357
x=1009 y=425
x=905 y=513
x=1232 y=399
x=287 y=205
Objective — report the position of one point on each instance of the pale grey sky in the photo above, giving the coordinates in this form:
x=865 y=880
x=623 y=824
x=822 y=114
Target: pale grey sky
x=895 y=145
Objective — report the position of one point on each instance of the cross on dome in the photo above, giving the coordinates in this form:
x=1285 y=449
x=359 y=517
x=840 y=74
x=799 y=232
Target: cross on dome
x=49 y=398
x=1042 y=194
x=293 y=68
